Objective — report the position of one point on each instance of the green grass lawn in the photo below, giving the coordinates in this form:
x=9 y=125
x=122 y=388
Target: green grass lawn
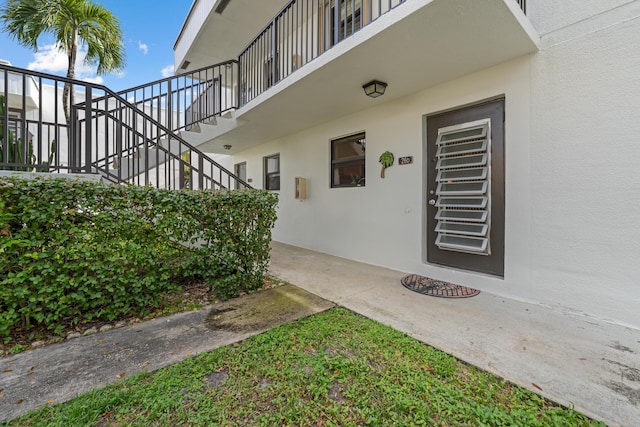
x=332 y=369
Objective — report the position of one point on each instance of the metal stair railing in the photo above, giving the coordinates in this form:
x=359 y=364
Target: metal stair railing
x=188 y=98
x=134 y=147
x=32 y=122
x=178 y=103
x=32 y=125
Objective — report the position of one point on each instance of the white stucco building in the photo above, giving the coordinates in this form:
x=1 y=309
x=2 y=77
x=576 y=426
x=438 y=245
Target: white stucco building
x=538 y=198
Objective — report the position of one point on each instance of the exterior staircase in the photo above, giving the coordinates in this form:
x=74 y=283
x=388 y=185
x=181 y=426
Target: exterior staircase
x=207 y=130
x=148 y=157
x=147 y=135
x=196 y=107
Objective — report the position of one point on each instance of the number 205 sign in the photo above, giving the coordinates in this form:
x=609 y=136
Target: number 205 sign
x=405 y=160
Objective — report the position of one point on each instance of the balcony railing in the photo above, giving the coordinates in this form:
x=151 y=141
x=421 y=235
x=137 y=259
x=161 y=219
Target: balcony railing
x=109 y=135
x=299 y=33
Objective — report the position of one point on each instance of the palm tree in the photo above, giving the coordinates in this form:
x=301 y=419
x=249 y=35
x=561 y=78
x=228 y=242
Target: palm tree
x=74 y=23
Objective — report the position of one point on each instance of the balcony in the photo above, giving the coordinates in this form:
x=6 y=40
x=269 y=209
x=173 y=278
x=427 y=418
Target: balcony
x=310 y=61
x=217 y=30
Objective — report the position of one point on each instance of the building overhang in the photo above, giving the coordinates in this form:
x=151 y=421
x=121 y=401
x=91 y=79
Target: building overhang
x=415 y=46
x=217 y=30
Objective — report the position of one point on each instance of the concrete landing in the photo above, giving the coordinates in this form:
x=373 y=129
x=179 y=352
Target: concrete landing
x=570 y=359
x=59 y=372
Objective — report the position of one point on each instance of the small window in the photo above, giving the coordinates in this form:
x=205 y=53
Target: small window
x=272 y=172
x=348 y=161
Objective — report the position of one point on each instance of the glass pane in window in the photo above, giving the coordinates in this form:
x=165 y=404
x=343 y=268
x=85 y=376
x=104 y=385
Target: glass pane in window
x=349 y=174
x=350 y=17
x=273 y=164
x=349 y=21
x=272 y=172
x=350 y=6
x=273 y=182
x=352 y=147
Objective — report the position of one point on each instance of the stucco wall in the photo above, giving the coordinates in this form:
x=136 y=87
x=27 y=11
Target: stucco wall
x=585 y=153
x=548 y=16
x=572 y=181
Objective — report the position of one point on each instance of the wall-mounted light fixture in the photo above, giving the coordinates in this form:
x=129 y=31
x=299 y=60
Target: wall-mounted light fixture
x=375 y=88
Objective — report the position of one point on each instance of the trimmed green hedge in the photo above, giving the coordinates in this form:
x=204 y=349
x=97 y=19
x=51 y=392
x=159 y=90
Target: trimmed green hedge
x=79 y=250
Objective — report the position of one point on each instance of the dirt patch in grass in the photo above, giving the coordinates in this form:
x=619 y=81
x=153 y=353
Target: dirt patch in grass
x=335 y=393
x=216 y=379
x=255 y=312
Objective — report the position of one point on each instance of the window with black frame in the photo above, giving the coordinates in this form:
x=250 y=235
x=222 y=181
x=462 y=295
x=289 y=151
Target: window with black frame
x=348 y=161
x=349 y=19
x=272 y=172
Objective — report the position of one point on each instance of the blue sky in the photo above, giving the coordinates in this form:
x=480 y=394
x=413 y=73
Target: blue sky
x=150 y=28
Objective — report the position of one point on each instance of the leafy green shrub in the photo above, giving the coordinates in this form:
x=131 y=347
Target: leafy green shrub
x=79 y=250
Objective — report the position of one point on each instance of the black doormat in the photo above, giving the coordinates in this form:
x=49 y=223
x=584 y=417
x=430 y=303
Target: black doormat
x=436 y=288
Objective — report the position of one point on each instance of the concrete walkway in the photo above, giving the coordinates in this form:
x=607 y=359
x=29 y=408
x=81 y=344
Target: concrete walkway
x=59 y=372
x=573 y=360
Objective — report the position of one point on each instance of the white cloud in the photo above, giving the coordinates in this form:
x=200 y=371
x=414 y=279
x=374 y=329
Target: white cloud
x=143 y=47
x=51 y=59
x=168 y=71
x=95 y=79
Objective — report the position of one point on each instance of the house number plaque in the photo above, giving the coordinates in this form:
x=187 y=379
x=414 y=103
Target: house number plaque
x=405 y=160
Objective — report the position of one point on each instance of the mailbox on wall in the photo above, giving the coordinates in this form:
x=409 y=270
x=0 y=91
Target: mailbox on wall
x=301 y=188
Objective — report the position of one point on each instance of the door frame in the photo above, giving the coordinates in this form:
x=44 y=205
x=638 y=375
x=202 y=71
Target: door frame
x=493 y=264
x=236 y=172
